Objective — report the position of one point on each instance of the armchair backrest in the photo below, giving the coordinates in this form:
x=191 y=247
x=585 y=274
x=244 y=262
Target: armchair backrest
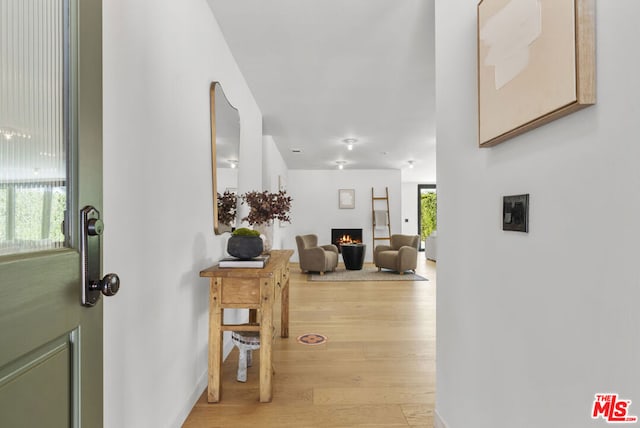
x=306 y=241
x=398 y=241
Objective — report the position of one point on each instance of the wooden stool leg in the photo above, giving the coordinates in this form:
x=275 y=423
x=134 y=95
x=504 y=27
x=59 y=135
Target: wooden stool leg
x=242 y=364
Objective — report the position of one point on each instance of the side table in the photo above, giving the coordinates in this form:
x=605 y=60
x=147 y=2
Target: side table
x=353 y=255
x=254 y=289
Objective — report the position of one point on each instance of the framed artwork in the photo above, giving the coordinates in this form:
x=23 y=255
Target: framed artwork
x=536 y=63
x=515 y=213
x=346 y=198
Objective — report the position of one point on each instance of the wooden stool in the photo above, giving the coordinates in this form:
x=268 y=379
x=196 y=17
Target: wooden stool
x=246 y=341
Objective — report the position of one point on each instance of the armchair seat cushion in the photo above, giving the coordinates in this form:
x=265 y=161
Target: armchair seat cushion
x=387 y=258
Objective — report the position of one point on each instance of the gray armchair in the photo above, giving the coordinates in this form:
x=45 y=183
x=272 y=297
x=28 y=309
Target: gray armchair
x=401 y=255
x=315 y=258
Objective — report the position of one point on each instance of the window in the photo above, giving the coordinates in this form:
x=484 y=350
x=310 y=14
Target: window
x=35 y=124
x=31 y=216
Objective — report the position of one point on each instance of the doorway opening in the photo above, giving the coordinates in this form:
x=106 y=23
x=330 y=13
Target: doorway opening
x=427 y=212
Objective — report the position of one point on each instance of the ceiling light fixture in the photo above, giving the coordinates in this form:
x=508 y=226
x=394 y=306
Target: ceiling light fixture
x=233 y=163
x=410 y=164
x=349 y=142
x=341 y=164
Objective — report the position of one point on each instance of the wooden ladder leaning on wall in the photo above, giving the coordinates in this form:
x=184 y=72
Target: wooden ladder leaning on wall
x=385 y=198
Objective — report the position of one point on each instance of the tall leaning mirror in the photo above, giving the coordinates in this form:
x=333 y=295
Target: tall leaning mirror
x=225 y=151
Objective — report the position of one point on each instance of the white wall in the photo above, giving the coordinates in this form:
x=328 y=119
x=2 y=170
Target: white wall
x=159 y=58
x=227 y=179
x=410 y=208
x=531 y=326
x=315 y=203
x=274 y=173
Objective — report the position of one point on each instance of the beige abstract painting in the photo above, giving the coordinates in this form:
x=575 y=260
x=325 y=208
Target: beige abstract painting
x=536 y=63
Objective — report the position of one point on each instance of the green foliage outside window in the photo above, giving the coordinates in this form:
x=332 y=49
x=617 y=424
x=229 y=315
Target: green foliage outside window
x=31 y=216
x=429 y=208
x=28 y=217
x=58 y=206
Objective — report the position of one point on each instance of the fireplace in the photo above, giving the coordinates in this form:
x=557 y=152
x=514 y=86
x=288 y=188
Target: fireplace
x=346 y=236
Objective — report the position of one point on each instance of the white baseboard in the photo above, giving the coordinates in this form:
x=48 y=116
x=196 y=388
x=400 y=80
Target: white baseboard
x=201 y=385
x=438 y=422
x=191 y=400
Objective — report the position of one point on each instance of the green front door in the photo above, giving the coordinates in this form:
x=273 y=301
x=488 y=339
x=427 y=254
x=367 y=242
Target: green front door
x=50 y=167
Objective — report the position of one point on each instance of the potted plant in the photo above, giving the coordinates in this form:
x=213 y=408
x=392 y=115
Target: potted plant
x=264 y=208
x=245 y=243
x=227 y=209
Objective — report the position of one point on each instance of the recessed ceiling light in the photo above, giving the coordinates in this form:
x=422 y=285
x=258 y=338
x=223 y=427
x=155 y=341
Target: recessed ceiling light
x=296 y=150
x=349 y=142
x=341 y=164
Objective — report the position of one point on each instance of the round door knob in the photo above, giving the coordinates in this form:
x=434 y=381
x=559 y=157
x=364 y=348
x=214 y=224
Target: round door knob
x=95 y=226
x=110 y=284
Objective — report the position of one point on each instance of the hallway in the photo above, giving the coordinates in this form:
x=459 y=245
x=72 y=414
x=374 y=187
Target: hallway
x=377 y=368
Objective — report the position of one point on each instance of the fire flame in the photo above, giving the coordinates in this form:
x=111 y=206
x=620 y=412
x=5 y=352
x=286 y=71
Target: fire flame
x=346 y=239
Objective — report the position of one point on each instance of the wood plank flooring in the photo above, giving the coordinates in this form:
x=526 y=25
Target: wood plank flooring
x=377 y=368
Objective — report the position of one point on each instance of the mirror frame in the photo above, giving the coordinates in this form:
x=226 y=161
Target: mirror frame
x=214 y=167
x=215 y=85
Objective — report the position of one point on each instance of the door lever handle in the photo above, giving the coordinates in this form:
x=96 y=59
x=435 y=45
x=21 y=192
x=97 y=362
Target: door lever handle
x=91 y=227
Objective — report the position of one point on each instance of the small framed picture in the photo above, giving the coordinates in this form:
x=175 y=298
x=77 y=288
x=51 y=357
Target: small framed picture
x=515 y=213
x=346 y=198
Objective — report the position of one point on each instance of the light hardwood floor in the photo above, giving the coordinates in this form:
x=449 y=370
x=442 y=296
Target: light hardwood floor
x=376 y=370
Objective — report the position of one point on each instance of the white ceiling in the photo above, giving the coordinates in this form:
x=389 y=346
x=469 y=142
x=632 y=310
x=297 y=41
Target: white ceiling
x=325 y=70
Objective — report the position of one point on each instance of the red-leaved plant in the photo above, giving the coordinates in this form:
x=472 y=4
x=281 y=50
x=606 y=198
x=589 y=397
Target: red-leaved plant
x=227 y=206
x=265 y=207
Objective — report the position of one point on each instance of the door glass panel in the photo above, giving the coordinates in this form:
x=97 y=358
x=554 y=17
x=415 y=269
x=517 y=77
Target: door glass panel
x=3 y=214
x=29 y=201
x=33 y=124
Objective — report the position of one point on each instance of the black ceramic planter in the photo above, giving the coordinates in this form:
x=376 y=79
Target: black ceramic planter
x=244 y=247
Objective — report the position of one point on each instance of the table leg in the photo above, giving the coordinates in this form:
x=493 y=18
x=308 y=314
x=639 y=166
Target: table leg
x=215 y=344
x=266 y=339
x=284 y=309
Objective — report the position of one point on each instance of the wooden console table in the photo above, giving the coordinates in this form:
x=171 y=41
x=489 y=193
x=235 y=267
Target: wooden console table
x=256 y=290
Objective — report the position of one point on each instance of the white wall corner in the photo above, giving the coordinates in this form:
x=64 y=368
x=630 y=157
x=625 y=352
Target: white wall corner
x=200 y=386
x=192 y=400
x=438 y=422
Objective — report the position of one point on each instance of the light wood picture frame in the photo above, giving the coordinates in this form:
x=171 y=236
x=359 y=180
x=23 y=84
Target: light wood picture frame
x=346 y=198
x=536 y=63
